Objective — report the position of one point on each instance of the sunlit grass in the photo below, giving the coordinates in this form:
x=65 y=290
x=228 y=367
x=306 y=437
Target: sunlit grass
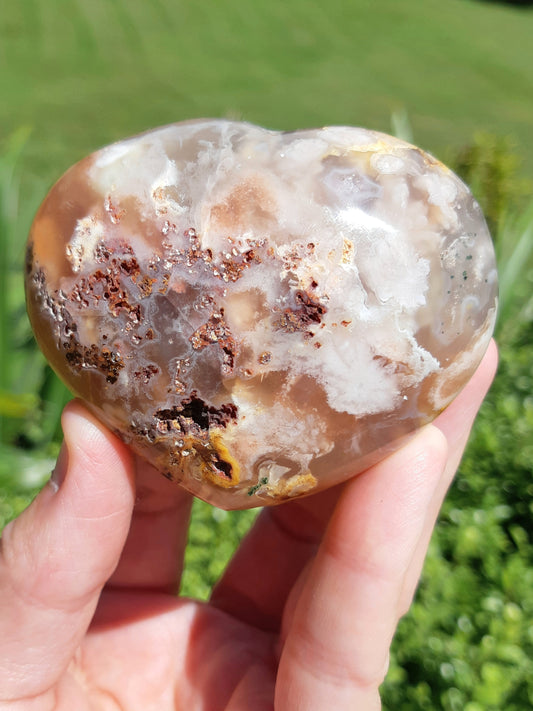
x=515 y=258
x=31 y=397
x=84 y=74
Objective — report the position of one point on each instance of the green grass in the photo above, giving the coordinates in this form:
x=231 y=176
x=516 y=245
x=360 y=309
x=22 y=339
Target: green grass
x=84 y=74
x=31 y=397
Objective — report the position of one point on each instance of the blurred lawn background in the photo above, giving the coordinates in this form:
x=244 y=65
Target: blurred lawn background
x=457 y=77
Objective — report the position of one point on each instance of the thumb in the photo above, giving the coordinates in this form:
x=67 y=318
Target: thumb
x=56 y=557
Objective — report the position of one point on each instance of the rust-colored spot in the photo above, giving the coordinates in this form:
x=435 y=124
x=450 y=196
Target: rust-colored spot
x=146 y=373
x=216 y=331
x=308 y=312
x=106 y=361
x=193 y=414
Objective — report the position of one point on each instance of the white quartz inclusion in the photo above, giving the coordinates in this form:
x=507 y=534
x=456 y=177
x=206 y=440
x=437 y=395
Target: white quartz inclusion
x=288 y=185
x=350 y=274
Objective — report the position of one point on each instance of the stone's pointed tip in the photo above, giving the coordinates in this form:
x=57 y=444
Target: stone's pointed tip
x=261 y=314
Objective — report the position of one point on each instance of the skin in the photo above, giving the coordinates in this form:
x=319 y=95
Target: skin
x=302 y=619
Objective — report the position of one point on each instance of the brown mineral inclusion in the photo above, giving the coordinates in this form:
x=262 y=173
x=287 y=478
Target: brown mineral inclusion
x=261 y=315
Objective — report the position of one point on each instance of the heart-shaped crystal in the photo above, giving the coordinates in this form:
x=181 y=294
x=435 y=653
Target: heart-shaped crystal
x=259 y=314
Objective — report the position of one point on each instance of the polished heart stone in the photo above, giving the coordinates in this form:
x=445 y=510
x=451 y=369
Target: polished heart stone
x=258 y=314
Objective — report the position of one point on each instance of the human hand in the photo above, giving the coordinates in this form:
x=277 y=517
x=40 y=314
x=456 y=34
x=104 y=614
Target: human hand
x=302 y=619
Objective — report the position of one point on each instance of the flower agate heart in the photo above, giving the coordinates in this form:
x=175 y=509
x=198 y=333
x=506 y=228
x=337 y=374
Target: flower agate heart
x=258 y=314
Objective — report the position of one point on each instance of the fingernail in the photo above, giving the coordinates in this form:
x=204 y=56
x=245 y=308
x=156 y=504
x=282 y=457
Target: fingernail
x=60 y=470
x=79 y=426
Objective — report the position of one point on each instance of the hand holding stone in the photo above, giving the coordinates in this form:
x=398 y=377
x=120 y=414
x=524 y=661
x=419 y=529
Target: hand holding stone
x=302 y=618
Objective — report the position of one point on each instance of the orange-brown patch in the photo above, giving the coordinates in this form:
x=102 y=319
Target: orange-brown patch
x=247 y=202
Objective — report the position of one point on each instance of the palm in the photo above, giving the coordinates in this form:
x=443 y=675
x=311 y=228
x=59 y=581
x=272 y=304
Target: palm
x=183 y=654
x=150 y=651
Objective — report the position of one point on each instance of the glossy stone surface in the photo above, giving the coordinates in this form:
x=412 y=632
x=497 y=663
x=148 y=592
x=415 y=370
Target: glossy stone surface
x=260 y=314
